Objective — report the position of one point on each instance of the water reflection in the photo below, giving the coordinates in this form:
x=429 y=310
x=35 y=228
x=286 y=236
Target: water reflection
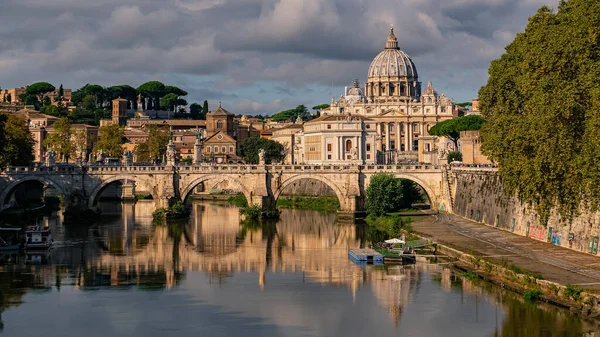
x=291 y=277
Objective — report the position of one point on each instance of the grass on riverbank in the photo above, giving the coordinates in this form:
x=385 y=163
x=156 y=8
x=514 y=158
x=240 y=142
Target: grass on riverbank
x=238 y=200
x=319 y=204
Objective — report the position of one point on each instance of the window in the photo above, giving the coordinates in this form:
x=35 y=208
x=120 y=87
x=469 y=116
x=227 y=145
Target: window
x=443 y=109
x=415 y=127
x=368 y=126
x=223 y=149
x=219 y=125
x=329 y=156
x=392 y=87
x=348 y=145
x=328 y=126
x=368 y=156
x=329 y=147
x=368 y=147
x=428 y=110
x=231 y=149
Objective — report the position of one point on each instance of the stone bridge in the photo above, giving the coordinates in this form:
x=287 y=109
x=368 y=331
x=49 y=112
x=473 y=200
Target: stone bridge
x=261 y=184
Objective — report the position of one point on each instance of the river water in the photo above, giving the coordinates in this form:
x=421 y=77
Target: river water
x=213 y=276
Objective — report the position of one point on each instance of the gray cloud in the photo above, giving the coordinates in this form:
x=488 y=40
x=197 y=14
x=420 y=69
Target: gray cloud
x=221 y=49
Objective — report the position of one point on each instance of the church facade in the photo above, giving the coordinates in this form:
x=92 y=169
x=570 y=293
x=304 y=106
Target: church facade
x=389 y=117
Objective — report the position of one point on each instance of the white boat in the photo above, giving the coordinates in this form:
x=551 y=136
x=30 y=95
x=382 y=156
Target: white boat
x=37 y=237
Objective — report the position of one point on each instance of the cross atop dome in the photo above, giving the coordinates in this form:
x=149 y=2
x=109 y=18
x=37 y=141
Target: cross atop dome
x=392 y=41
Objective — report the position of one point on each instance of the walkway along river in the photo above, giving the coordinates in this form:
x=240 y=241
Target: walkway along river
x=213 y=275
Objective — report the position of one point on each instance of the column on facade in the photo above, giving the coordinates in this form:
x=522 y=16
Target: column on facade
x=406 y=137
x=422 y=129
x=398 y=136
x=359 y=148
x=410 y=137
x=387 y=136
x=379 y=134
x=340 y=149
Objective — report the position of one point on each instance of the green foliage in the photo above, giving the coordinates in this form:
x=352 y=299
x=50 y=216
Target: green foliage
x=168 y=102
x=469 y=275
x=541 y=104
x=532 y=295
x=39 y=89
x=196 y=112
x=155 y=147
x=205 y=108
x=387 y=194
x=176 y=211
x=153 y=89
x=454 y=156
x=320 y=107
x=251 y=212
x=175 y=90
x=60 y=139
x=319 y=204
x=292 y=114
x=249 y=148
x=572 y=292
x=16 y=142
x=61 y=91
x=464 y=104
x=238 y=200
x=384 y=227
x=519 y=270
x=110 y=138
x=451 y=128
x=124 y=91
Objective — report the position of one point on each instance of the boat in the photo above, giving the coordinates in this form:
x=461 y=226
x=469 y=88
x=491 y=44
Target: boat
x=37 y=237
x=10 y=239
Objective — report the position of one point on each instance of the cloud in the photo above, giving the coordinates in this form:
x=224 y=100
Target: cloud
x=233 y=47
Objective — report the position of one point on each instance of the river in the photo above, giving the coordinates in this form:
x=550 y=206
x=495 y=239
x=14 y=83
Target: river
x=213 y=276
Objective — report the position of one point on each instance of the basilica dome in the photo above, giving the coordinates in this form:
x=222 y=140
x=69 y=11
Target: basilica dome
x=393 y=62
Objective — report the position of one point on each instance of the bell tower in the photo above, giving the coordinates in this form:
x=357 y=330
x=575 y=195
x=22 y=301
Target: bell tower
x=119 y=111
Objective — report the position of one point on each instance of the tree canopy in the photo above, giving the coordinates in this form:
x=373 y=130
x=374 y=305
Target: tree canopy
x=60 y=139
x=452 y=128
x=541 y=104
x=155 y=147
x=386 y=194
x=110 y=138
x=16 y=141
x=39 y=89
x=291 y=115
x=248 y=150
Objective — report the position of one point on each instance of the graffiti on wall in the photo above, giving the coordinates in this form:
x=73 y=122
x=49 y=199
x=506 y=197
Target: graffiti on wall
x=538 y=233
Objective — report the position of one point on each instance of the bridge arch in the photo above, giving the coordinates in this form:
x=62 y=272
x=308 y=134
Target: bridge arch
x=338 y=192
x=9 y=189
x=426 y=187
x=105 y=182
x=190 y=186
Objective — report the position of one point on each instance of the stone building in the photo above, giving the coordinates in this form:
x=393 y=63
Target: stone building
x=400 y=111
x=339 y=139
x=471 y=149
x=289 y=137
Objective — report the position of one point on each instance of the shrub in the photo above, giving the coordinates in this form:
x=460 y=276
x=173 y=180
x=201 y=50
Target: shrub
x=532 y=295
x=573 y=292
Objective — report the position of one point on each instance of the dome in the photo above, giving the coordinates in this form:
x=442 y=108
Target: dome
x=393 y=61
x=430 y=90
x=355 y=90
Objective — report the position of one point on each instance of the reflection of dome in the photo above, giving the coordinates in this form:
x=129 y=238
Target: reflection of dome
x=393 y=61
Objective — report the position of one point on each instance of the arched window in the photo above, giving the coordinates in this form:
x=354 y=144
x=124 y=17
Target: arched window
x=219 y=125
x=223 y=149
x=348 y=145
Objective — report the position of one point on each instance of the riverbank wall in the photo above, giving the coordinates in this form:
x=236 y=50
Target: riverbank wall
x=521 y=281
x=480 y=196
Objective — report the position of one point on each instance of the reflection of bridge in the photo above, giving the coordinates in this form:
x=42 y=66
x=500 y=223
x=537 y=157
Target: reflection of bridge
x=261 y=184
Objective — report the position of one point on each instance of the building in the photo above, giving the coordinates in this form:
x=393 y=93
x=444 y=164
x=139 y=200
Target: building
x=339 y=139
x=290 y=138
x=119 y=111
x=219 y=120
x=471 y=149
x=395 y=106
x=13 y=96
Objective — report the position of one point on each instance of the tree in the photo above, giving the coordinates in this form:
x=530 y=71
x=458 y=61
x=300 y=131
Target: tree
x=320 y=107
x=142 y=153
x=46 y=101
x=452 y=128
x=9 y=98
x=387 y=194
x=124 y=91
x=248 y=150
x=291 y=115
x=16 y=142
x=454 y=156
x=60 y=138
x=205 y=109
x=61 y=92
x=110 y=138
x=541 y=106
x=168 y=102
x=81 y=141
x=154 y=90
x=174 y=90
x=196 y=111
x=99 y=94
x=39 y=89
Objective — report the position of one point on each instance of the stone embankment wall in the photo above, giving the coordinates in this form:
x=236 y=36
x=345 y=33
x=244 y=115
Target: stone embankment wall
x=308 y=187
x=480 y=196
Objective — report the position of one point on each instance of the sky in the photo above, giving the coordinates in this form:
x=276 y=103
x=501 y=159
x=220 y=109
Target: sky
x=254 y=56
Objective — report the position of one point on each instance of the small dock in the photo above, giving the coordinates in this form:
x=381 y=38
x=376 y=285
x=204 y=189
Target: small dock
x=366 y=255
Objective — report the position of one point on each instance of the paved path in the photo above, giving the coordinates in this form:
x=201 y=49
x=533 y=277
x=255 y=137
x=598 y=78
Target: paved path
x=555 y=263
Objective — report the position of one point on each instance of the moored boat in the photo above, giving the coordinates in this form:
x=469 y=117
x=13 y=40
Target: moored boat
x=37 y=237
